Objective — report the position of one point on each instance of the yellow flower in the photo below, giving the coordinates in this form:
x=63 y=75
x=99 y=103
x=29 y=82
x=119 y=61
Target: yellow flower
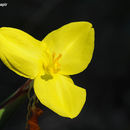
x=63 y=52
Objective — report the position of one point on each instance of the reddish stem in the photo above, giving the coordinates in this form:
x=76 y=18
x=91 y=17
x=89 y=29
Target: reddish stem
x=22 y=90
x=33 y=121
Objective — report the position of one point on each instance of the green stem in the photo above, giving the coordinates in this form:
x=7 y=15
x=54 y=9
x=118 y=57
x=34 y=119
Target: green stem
x=11 y=104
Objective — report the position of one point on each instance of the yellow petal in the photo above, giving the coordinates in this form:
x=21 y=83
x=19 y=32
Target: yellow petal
x=75 y=42
x=20 y=52
x=60 y=95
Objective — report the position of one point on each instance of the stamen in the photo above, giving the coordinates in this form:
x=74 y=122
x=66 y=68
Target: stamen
x=58 y=57
x=56 y=65
x=53 y=66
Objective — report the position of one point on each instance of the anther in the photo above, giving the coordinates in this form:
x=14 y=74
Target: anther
x=56 y=65
x=58 y=57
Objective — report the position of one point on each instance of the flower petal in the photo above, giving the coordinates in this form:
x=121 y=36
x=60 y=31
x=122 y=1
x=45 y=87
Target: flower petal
x=20 y=52
x=60 y=95
x=75 y=42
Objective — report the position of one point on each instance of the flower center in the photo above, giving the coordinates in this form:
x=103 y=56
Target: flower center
x=53 y=65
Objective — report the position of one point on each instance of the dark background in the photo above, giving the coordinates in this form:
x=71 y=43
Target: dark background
x=107 y=77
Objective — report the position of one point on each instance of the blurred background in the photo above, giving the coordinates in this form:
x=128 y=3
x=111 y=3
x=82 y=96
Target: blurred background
x=107 y=78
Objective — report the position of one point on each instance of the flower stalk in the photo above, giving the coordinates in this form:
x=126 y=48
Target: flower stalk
x=11 y=104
